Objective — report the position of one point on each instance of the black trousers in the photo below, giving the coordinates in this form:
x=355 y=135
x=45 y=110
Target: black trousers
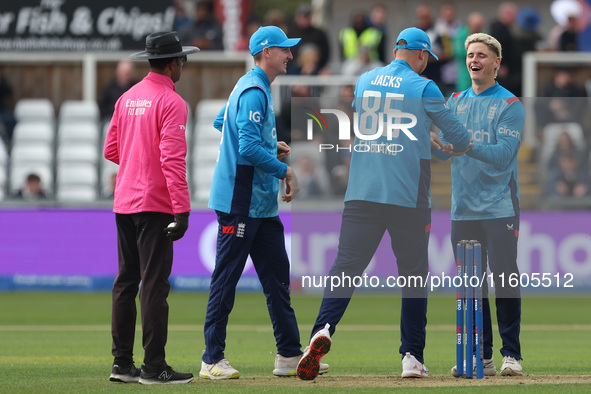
x=145 y=255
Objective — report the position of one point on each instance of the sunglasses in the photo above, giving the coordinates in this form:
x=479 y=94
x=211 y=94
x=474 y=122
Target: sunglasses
x=184 y=59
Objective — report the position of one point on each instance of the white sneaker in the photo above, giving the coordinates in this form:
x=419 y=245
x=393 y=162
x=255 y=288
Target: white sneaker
x=309 y=365
x=287 y=366
x=511 y=367
x=217 y=371
x=487 y=363
x=412 y=368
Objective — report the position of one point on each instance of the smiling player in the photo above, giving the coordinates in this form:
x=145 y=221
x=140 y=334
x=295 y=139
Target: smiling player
x=244 y=196
x=485 y=191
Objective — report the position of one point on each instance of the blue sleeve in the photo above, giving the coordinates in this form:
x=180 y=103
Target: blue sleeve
x=510 y=128
x=218 y=122
x=250 y=144
x=436 y=108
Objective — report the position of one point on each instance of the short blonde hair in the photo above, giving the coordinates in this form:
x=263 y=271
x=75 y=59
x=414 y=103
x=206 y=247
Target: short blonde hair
x=493 y=44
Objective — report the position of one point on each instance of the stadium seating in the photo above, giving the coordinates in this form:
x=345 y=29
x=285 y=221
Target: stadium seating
x=33 y=132
x=74 y=154
x=79 y=111
x=39 y=110
x=76 y=194
x=77 y=151
x=77 y=182
x=33 y=143
x=204 y=148
x=82 y=133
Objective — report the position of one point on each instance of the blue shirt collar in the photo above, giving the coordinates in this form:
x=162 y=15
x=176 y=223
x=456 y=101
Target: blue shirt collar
x=263 y=74
x=488 y=92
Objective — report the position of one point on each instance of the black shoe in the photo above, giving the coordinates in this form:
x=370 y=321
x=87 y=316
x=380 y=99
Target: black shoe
x=129 y=374
x=165 y=376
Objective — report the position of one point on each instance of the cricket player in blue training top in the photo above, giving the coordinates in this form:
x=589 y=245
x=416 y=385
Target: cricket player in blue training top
x=244 y=196
x=389 y=189
x=485 y=191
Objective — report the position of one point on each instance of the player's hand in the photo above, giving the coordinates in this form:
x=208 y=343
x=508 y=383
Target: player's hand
x=436 y=143
x=283 y=150
x=292 y=186
x=177 y=229
x=449 y=149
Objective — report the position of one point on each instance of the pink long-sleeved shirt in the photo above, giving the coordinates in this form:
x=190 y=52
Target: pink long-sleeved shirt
x=146 y=138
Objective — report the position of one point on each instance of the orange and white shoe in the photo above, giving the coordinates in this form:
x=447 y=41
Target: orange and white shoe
x=309 y=365
x=412 y=368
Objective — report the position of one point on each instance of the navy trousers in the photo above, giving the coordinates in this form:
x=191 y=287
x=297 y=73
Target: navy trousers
x=263 y=239
x=498 y=238
x=363 y=226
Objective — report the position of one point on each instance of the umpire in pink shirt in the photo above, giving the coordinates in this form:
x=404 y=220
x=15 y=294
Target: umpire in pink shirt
x=146 y=137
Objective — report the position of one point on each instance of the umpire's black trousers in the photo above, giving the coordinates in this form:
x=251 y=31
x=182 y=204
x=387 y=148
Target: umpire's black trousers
x=145 y=255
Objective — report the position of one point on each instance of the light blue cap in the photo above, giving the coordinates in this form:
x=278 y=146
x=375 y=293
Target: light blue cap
x=270 y=36
x=415 y=39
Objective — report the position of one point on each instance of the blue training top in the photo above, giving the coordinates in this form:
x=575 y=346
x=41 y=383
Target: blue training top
x=247 y=172
x=394 y=168
x=487 y=188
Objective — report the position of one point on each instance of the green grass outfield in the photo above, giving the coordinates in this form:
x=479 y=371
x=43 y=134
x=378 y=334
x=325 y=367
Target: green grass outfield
x=60 y=342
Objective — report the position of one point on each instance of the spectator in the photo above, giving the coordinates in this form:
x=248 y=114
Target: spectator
x=123 y=80
x=446 y=28
x=526 y=34
x=361 y=63
x=3 y=155
x=554 y=103
x=570 y=178
x=338 y=161
x=501 y=29
x=568 y=40
x=378 y=18
x=110 y=184
x=424 y=20
x=561 y=10
x=310 y=34
x=275 y=17
x=181 y=19
x=565 y=146
x=293 y=128
x=340 y=174
x=474 y=24
x=313 y=178
x=6 y=115
x=360 y=34
x=307 y=61
x=252 y=24
x=205 y=32
x=32 y=190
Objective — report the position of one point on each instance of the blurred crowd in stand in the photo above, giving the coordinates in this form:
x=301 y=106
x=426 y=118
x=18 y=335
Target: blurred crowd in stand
x=363 y=42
